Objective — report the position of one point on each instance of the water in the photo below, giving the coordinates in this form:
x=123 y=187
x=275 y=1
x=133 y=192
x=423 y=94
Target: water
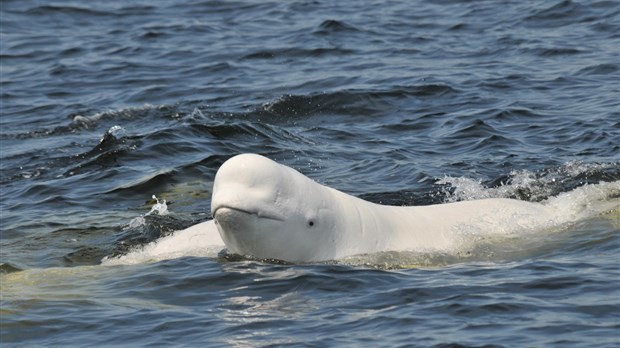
x=106 y=104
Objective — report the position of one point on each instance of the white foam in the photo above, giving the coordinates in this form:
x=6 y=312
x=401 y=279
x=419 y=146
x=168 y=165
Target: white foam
x=160 y=207
x=538 y=186
x=86 y=121
x=586 y=201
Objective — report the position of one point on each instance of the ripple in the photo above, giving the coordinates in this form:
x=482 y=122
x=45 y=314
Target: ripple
x=599 y=69
x=296 y=53
x=332 y=26
x=397 y=107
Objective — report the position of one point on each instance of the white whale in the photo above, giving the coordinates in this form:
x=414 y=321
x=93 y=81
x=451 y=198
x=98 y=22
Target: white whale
x=267 y=210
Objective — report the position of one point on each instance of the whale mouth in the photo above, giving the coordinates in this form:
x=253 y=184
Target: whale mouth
x=261 y=214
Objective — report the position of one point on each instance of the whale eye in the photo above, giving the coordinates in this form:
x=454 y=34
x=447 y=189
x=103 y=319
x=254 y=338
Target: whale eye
x=310 y=223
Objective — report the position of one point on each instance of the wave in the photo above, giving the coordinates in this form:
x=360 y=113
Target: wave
x=349 y=102
x=298 y=52
x=187 y=133
x=565 y=12
x=46 y=10
x=289 y=106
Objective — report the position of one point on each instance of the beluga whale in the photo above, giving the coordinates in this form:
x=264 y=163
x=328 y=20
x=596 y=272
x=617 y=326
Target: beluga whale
x=267 y=210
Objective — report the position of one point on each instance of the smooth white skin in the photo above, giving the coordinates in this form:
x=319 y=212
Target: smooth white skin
x=270 y=211
x=202 y=240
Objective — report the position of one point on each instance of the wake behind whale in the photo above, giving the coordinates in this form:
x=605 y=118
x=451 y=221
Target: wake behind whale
x=266 y=210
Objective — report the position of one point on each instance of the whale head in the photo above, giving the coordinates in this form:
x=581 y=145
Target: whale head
x=267 y=210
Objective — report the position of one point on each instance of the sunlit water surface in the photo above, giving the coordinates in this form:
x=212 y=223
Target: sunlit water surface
x=105 y=104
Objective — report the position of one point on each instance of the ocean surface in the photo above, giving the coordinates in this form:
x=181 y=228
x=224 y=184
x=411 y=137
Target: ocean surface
x=105 y=104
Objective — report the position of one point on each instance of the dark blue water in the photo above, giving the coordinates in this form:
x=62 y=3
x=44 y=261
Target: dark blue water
x=398 y=102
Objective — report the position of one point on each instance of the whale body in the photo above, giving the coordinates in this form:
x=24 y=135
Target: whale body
x=267 y=210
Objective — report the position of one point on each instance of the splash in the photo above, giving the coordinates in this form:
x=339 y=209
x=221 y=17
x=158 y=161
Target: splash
x=587 y=201
x=117 y=131
x=529 y=185
x=160 y=208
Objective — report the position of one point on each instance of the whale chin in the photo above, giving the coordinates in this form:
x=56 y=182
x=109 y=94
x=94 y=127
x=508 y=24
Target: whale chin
x=235 y=221
x=246 y=232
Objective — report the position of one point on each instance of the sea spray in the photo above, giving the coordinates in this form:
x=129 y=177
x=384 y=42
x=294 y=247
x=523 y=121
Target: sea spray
x=522 y=184
x=161 y=208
